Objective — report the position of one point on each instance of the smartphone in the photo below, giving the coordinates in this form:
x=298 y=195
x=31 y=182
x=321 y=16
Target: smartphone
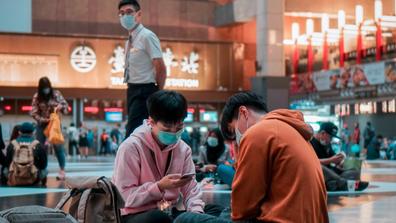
x=187 y=175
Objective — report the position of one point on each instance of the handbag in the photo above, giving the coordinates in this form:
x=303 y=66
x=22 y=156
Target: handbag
x=53 y=131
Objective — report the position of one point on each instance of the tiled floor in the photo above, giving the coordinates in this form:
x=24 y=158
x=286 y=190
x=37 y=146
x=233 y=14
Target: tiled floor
x=376 y=204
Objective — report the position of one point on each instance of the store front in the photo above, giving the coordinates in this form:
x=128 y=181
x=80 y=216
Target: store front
x=89 y=73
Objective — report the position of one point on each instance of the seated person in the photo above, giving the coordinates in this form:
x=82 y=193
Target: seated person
x=278 y=177
x=214 y=155
x=18 y=175
x=374 y=147
x=151 y=163
x=3 y=156
x=335 y=176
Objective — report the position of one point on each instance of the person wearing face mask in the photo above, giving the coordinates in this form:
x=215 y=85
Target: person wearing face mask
x=276 y=168
x=335 y=176
x=145 y=71
x=214 y=156
x=153 y=165
x=46 y=101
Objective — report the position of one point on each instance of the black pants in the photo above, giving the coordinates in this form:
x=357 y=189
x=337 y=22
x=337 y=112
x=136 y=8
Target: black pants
x=73 y=145
x=338 y=181
x=155 y=215
x=137 y=95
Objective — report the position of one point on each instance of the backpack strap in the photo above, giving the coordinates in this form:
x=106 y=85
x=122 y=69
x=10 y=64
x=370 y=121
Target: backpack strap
x=82 y=205
x=115 y=202
x=17 y=147
x=66 y=197
x=33 y=145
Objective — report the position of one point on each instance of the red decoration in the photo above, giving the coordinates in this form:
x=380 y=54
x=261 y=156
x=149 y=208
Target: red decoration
x=378 y=46
x=310 y=56
x=341 y=49
x=325 y=53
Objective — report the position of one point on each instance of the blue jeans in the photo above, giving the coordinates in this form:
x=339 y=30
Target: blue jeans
x=225 y=217
x=226 y=173
x=59 y=149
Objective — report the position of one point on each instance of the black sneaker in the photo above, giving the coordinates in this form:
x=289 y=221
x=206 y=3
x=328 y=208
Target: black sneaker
x=362 y=185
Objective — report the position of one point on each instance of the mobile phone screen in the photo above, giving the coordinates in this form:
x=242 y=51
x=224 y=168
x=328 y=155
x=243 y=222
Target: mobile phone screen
x=188 y=175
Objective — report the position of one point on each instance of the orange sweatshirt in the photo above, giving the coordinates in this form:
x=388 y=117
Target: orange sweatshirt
x=278 y=176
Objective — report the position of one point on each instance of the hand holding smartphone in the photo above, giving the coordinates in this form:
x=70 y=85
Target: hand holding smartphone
x=187 y=175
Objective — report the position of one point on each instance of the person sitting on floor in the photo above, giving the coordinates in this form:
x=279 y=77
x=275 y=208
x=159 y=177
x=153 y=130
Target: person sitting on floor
x=153 y=166
x=26 y=159
x=335 y=176
x=214 y=156
x=278 y=177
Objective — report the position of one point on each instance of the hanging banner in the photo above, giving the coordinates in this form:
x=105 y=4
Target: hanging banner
x=355 y=76
x=374 y=73
x=322 y=80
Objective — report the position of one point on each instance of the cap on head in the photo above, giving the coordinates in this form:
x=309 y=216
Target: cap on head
x=329 y=128
x=27 y=128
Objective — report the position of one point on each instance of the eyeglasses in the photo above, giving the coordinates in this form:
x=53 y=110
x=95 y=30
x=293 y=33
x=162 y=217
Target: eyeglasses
x=126 y=12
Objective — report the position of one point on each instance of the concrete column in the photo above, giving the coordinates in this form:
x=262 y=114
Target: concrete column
x=75 y=111
x=80 y=111
x=270 y=55
x=270 y=81
x=274 y=90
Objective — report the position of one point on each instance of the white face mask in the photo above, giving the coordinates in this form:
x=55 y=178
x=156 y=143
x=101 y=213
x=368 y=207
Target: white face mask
x=238 y=134
x=323 y=142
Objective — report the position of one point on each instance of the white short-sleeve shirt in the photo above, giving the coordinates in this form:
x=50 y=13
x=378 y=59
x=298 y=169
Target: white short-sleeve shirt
x=145 y=46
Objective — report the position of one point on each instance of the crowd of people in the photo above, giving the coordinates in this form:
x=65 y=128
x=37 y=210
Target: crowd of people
x=370 y=144
x=277 y=168
x=154 y=165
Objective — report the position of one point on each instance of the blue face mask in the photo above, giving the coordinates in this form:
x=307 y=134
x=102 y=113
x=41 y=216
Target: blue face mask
x=169 y=138
x=46 y=90
x=128 y=21
x=213 y=141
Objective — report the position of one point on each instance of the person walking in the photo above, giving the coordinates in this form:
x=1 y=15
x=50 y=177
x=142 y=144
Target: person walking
x=83 y=141
x=72 y=132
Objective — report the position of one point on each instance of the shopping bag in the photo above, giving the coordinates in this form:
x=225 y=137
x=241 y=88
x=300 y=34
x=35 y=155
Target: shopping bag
x=352 y=164
x=53 y=132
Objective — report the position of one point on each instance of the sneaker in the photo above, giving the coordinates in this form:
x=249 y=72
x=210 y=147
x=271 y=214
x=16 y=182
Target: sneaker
x=61 y=175
x=362 y=185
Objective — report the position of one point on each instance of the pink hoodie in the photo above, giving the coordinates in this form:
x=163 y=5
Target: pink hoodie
x=136 y=173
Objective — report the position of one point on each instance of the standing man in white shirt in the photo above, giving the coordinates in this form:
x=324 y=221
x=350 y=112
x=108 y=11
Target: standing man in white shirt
x=145 y=71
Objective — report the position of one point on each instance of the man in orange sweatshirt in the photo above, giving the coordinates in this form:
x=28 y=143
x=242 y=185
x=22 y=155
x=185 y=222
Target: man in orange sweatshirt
x=278 y=176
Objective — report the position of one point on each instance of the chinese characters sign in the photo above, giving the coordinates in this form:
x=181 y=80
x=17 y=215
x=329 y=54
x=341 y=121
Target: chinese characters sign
x=187 y=64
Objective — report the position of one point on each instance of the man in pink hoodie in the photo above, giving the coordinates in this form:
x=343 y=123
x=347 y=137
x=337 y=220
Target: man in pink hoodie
x=153 y=166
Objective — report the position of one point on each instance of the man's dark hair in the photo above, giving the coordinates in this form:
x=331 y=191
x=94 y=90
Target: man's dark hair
x=230 y=111
x=167 y=106
x=134 y=3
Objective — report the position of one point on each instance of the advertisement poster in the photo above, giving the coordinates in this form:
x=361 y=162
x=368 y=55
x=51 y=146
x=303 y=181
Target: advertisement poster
x=374 y=73
x=323 y=80
x=390 y=71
